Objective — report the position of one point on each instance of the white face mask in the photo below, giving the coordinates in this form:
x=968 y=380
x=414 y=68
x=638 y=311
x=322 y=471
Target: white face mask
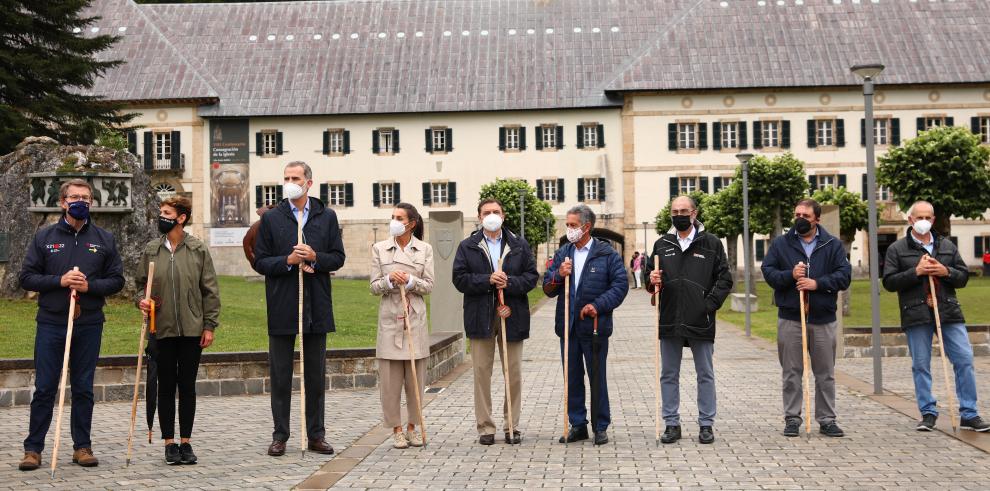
x=492 y=222
x=396 y=228
x=292 y=190
x=574 y=235
x=922 y=227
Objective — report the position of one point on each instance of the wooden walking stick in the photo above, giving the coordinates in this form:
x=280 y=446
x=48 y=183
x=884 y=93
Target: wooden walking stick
x=805 y=376
x=140 y=357
x=412 y=360
x=65 y=370
x=567 y=347
x=941 y=349
x=303 y=437
x=505 y=363
x=656 y=353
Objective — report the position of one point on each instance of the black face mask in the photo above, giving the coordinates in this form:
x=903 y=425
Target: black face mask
x=165 y=225
x=802 y=226
x=681 y=222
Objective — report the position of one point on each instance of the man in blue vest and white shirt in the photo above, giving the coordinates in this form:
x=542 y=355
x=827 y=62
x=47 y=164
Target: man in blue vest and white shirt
x=598 y=286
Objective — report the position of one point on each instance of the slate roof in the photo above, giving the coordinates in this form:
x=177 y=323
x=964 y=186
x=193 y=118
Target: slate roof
x=393 y=56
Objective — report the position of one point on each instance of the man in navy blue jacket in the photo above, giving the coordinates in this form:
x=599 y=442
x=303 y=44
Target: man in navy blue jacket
x=809 y=259
x=48 y=269
x=598 y=286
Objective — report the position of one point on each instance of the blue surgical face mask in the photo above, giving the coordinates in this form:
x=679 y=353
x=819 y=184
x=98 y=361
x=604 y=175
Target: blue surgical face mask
x=79 y=210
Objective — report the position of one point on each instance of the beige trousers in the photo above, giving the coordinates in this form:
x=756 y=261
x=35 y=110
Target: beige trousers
x=483 y=359
x=393 y=375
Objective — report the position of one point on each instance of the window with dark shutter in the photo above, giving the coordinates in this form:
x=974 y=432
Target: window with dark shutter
x=258 y=203
x=560 y=137
x=375 y=147
x=560 y=190
x=501 y=139
x=743 y=142
x=601 y=189
x=522 y=137
x=349 y=194
x=347 y=142
x=259 y=145
x=539 y=189
x=812 y=133
x=396 y=193
x=176 y=154
x=672 y=137
x=702 y=136
x=452 y=193
x=149 y=151
x=326 y=142
x=325 y=193
x=580 y=188
x=895 y=131
x=132 y=142
x=716 y=135
x=601 y=135
x=580 y=136
x=449 y=144
x=840 y=133
x=757 y=134
x=674 y=188
x=376 y=198
x=427 y=194
x=539 y=137
x=704 y=184
x=395 y=141
x=785 y=134
x=428 y=135
x=279 y=148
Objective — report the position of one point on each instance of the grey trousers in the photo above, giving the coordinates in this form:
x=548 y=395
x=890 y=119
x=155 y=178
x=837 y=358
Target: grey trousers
x=821 y=350
x=670 y=384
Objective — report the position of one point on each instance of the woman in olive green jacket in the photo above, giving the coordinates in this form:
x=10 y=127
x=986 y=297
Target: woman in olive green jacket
x=402 y=259
x=187 y=310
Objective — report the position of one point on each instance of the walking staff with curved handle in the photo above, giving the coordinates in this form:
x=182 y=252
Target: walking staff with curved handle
x=941 y=349
x=140 y=358
x=412 y=360
x=567 y=346
x=805 y=376
x=65 y=370
x=505 y=361
x=656 y=353
x=302 y=356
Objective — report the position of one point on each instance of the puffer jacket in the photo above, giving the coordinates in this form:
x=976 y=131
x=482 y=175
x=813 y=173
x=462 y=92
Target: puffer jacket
x=695 y=283
x=912 y=290
x=604 y=284
x=185 y=289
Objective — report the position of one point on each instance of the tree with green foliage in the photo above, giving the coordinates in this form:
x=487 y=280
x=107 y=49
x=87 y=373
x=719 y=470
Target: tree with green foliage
x=853 y=212
x=45 y=68
x=775 y=186
x=945 y=166
x=537 y=210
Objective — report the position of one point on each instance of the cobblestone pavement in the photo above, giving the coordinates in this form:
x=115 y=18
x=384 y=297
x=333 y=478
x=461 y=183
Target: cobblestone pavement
x=881 y=449
x=897 y=378
x=230 y=438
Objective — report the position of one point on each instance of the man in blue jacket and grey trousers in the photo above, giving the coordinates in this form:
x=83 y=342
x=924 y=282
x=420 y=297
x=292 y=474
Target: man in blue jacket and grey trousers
x=598 y=286
x=48 y=269
x=807 y=258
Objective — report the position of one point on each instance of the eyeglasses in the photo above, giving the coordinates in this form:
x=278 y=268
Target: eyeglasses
x=78 y=197
x=681 y=212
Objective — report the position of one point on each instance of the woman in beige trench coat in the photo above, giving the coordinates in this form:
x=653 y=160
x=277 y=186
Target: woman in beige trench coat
x=402 y=259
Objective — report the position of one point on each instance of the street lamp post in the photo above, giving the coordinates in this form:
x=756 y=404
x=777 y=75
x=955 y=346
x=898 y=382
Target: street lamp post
x=646 y=245
x=747 y=259
x=868 y=73
x=375 y=229
x=522 y=213
x=548 y=221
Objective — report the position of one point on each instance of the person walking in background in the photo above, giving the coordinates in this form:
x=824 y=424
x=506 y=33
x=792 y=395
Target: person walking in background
x=187 y=311
x=402 y=260
x=636 y=265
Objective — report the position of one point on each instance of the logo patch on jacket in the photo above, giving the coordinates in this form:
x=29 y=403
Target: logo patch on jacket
x=592 y=270
x=94 y=248
x=699 y=255
x=55 y=248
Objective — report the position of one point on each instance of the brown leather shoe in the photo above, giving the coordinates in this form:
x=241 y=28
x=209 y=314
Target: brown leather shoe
x=320 y=445
x=85 y=458
x=276 y=449
x=30 y=462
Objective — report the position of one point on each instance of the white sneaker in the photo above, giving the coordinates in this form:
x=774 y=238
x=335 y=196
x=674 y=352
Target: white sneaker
x=415 y=438
x=399 y=440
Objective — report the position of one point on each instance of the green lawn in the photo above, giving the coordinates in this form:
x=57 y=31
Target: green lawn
x=243 y=324
x=764 y=323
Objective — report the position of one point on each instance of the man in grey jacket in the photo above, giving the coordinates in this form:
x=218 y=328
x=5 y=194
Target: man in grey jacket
x=908 y=265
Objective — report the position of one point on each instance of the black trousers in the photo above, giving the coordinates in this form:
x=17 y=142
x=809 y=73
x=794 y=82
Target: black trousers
x=178 y=363
x=280 y=366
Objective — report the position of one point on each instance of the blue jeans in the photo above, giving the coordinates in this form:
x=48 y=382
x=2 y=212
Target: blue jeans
x=49 y=348
x=960 y=353
x=582 y=356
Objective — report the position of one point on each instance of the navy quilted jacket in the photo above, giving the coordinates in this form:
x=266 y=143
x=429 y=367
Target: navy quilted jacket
x=604 y=284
